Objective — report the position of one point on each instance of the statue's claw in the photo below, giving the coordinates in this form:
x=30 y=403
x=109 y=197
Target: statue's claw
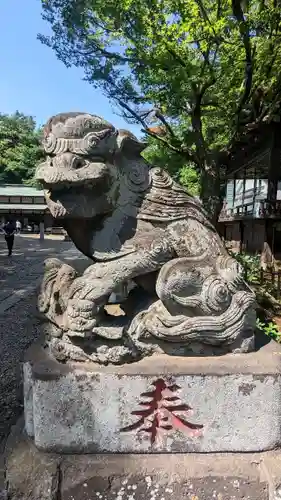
x=81 y=317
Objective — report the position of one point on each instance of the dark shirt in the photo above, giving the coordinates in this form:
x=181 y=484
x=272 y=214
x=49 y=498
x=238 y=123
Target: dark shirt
x=9 y=229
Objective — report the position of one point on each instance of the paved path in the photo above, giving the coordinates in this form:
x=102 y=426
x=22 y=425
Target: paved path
x=19 y=325
x=20 y=273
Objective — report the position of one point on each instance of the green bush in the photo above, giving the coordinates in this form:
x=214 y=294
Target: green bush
x=251 y=266
x=266 y=292
x=270 y=329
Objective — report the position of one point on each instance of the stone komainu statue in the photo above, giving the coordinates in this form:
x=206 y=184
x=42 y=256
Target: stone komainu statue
x=136 y=224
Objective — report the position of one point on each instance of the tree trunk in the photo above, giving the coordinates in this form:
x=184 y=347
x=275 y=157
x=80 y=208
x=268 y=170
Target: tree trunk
x=273 y=177
x=210 y=191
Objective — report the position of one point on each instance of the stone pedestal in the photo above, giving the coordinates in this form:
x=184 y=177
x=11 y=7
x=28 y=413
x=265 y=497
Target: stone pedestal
x=35 y=475
x=159 y=405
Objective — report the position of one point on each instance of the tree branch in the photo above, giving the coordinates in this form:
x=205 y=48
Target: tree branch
x=271 y=108
x=131 y=111
x=105 y=53
x=207 y=19
x=182 y=151
x=196 y=112
x=165 y=123
x=219 y=10
x=245 y=35
x=173 y=53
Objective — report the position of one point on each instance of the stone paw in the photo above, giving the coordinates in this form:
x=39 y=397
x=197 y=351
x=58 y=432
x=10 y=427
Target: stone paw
x=81 y=317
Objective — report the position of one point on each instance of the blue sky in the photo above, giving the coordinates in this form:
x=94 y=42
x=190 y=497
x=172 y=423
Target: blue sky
x=32 y=80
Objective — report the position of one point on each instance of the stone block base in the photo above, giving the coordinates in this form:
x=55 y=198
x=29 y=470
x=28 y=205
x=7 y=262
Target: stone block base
x=35 y=475
x=159 y=405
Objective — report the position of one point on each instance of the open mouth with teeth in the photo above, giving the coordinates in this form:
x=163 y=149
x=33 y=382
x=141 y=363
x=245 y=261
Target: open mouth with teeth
x=76 y=185
x=67 y=188
x=81 y=198
x=70 y=176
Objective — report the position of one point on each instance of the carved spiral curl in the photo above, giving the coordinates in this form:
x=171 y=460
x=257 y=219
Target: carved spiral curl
x=59 y=145
x=231 y=271
x=216 y=294
x=49 y=143
x=83 y=146
x=227 y=263
x=54 y=145
x=137 y=177
x=161 y=179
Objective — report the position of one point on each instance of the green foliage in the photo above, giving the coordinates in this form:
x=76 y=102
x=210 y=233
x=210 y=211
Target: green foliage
x=250 y=264
x=189 y=178
x=20 y=149
x=206 y=68
x=266 y=295
x=270 y=329
x=252 y=274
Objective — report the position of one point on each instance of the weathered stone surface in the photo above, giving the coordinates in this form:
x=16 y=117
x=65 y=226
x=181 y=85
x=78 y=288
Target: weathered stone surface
x=29 y=475
x=162 y=404
x=136 y=224
x=34 y=475
x=28 y=398
x=137 y=487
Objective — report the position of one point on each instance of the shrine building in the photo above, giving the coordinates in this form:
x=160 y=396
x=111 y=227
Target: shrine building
x=24 y=203
x=251 y=213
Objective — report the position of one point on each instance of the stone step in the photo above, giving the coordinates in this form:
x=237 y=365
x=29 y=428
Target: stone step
x=35 y=475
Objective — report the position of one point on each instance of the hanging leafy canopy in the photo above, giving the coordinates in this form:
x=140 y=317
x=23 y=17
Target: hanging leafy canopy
x=20 y=149
x=205 y=69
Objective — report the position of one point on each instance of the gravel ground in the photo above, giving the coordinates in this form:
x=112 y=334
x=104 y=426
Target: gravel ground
x=20 y=325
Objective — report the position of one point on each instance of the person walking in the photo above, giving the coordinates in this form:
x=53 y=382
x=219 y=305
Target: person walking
x=18 y=226
x=9 y=231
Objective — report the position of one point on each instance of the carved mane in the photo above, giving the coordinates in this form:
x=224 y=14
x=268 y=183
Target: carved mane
x=167 y=201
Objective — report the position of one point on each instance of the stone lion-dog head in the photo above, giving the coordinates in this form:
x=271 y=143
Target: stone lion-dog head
x=88 y=170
